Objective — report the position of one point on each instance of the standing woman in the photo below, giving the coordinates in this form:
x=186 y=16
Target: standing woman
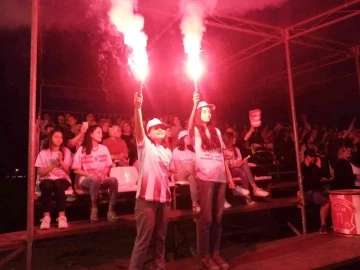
x=53 y=163
x=212 y=172
x=153 y=195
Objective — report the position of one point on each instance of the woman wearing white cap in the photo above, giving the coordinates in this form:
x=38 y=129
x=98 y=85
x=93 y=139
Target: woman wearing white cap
x=153 y=195
x=184 y=163
x=212 y=172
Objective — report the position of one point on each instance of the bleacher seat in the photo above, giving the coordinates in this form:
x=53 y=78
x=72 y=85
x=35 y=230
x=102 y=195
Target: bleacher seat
x=127 y=178
x=69 y=192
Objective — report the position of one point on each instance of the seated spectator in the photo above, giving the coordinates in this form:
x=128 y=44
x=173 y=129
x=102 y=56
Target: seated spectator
x=313 y=171
x=345 y=178
x=240 y=168
x=74 y=143
x=90 y=118
x=117 y=147
x=75 y=128
x=184 y=162
x=53 y=163
x=92 y=163
x=44 y=137
x=47 y=120
x=104 y=125
x=175 y=129
x=128 y=137
x=168 y=142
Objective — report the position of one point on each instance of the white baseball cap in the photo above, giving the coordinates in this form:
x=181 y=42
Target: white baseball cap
x=205 y=104
x=182 y=134
x=154 y=122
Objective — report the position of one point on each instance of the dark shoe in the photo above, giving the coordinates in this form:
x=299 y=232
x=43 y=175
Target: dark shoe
x=323 y=229
x=208 y=264
x=221 y=263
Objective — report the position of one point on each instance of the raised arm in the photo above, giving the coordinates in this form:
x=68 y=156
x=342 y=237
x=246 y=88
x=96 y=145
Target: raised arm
x=191 y=125
x=139 y=128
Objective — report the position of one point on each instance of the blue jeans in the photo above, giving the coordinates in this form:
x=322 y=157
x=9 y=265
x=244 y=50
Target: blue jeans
x=94 y=184
x=245 y=174
x=151 y=224
x=211 y=200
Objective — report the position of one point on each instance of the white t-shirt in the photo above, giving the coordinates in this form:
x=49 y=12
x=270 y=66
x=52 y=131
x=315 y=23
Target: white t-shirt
x=230 y=155
x=209 y=164
x=153 y=181
x=184 y=157
x=46 y=158
x=95 y=163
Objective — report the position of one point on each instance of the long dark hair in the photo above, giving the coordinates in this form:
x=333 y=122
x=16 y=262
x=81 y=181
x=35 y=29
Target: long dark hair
x=48 y=143
x=87 y=143
x=181 y=145
x=228 y=138
x=207 y=144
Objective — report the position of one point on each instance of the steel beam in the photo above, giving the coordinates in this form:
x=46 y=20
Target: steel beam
x=256 y=53
x=252 y=23
x=295 y=130
x=324 y=14
x=355 y=13
x=301 y=69
x=240 y=29
x=32 y=133
x=246 y=50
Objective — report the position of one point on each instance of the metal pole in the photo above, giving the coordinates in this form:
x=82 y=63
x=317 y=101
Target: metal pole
x=294 y=122
x=357 y=59
x=32 y=134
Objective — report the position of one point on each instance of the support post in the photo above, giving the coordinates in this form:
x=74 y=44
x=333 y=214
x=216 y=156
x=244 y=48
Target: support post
x=357 y=59
x=294 y=123
x=32 y=134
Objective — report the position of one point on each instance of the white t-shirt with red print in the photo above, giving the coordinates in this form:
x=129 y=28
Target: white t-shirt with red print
x=210 y=165
x=230 y=155
x=95 y=163
x=46 y=158
x=184 y=156
x=153 y=182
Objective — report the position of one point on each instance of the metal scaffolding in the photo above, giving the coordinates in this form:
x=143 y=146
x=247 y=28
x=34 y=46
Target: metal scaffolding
x=273 y=36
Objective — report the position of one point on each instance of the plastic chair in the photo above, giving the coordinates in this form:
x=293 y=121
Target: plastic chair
x=127 y=178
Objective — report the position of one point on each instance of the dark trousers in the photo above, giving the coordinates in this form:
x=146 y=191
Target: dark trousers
x=211 y=199
x=57 y=187
x=151 y=224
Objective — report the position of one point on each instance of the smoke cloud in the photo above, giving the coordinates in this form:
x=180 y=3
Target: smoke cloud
x=131 y=25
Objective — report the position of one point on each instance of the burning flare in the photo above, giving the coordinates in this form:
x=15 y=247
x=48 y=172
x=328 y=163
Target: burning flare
x=192 y=28
x=131 y=26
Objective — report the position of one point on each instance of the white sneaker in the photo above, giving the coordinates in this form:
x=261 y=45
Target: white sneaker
x=239 y=191
x=261 y=193
x=227 y=204
x=62 y=222
x=45 y=223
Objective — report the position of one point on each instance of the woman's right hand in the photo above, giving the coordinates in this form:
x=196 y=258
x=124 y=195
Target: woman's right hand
x=138 y=99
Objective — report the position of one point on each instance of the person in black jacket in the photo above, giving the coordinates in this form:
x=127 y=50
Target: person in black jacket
x=344 y=175
x=313 y=171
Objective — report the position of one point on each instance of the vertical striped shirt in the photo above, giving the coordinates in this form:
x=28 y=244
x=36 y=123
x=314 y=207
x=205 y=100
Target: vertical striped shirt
x=153 y=181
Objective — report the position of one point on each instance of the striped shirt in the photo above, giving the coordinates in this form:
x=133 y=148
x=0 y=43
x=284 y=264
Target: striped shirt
x=95 y=163
x=153 y=181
